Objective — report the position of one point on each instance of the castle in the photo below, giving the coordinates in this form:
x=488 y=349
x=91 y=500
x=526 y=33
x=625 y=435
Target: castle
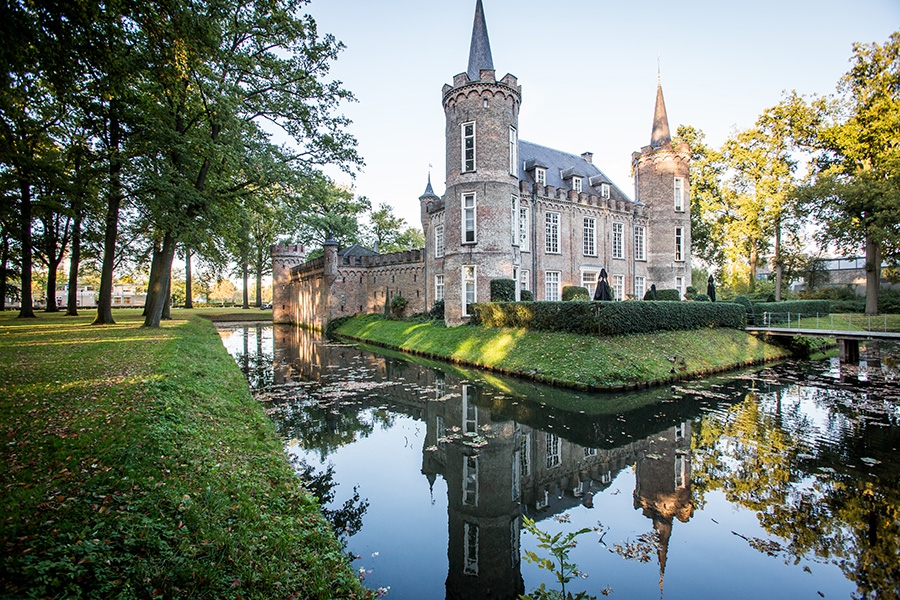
x=511 y=210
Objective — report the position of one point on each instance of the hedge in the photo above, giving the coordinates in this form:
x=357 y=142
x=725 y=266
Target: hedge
x=503 y=290
x=609 y=318
x=666 y=295
x=575 y=293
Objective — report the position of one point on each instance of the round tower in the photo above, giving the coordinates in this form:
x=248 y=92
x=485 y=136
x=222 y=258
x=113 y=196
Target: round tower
x=284 y=258
x=662 y=183
x=482 y=116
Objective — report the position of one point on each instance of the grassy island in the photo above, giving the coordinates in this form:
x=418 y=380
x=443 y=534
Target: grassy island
x=137 y=465
x=571 y=360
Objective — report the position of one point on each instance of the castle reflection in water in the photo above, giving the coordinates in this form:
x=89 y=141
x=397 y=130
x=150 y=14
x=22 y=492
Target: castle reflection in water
x=504 y=456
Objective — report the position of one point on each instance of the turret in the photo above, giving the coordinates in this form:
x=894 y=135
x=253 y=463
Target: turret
x=284 y=258
x=662 y=183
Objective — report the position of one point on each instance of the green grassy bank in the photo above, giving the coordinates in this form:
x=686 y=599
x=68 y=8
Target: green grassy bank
x=137 y=465
x=583 y=362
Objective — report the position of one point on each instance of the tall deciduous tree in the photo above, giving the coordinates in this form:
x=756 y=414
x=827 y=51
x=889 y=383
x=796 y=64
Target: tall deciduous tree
x=855 y=189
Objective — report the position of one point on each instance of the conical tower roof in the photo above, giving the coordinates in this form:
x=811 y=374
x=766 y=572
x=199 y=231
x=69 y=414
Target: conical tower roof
x=660 y=133
x=429 y=191
x=480 y=48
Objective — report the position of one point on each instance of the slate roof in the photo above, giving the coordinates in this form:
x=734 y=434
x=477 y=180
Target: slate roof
x=480 y=48
x=356 y=250
x=560 y=164
x=660 y=134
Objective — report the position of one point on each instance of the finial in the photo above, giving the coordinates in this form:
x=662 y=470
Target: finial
x=658 y=70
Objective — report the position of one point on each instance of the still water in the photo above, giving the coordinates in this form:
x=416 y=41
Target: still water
x=777 y=482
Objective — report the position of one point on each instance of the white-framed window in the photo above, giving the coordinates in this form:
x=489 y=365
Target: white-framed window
x=526 y=455
x=468 y=218
x=604 y=190
x=679 y=193
x=469 y=290
x=553 y=456
x=438 y=287
x=640 y=287
x=640 y=242
x=679 y=285
x=524 y=281
x=618 y=287
x=589 y=281
x=680 y=472
x=576 y=184
x=618 y=238
x=438 y=241
x=551 y=286
x=514 y=221
x=524 y=221
x=588 y=452
x=551 y=233
x=468 y=147
x=470 y=480
x=540 y=175
x=679 y=243
x=470 y=531
x=513 y=152
x=515 y=488
x=469 y=409
x=590 y=236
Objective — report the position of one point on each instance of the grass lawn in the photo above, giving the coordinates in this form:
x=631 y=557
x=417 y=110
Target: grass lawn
x=137 y=465
x=589 y=362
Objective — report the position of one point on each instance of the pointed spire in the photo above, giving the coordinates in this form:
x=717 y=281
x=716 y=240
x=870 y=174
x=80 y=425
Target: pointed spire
x=429 y=191
x=660 y=133
x=480 y=48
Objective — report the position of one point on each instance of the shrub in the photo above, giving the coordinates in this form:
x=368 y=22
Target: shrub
x=664 y=295
x=609 y=318
x=748 y=306
x=575 y=293
x=503 y=290
x=526 y=295
x=398 y=305
x=437 y=310
x=702 y=298
x=690 y=293
x=778 y=311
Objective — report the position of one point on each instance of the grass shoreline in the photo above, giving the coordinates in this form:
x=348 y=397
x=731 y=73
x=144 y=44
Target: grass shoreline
x=137 y=465
x=603 y=364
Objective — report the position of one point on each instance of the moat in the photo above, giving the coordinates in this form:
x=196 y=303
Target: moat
x=779 y=482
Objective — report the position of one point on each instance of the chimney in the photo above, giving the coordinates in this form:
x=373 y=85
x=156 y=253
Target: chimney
x=588 y=156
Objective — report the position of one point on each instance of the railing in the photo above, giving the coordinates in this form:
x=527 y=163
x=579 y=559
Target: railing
x=846 y=322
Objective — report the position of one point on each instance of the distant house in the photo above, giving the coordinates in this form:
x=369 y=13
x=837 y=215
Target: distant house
x=86 y=297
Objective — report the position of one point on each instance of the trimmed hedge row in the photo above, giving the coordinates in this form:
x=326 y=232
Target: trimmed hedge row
x=779 y=310
x=609 y=318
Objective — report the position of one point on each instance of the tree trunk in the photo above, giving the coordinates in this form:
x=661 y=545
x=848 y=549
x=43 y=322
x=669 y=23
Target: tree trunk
x=114 y=202
x=167 y=303
x=754 y=257
x=159 y=284
x=51 y=287
x=74 y=260
x=188 y=293
x=259 y=270
x=155 y=256
x=873 y=275
x=4 y=272
x=27 y=309
x=245 y=274
x=779 y=268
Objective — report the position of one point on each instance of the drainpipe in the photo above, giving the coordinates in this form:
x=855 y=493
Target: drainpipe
x=534 y=251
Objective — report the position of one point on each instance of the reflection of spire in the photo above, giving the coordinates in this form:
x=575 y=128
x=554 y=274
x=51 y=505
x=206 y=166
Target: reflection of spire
x=432 y=477
x=663 y=527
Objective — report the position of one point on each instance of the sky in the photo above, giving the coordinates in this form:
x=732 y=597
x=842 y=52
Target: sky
x=588 y=71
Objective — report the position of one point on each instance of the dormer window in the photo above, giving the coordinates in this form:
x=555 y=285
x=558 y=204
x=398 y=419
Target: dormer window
x=604 y=190
x=540 y=176
x=576 y=184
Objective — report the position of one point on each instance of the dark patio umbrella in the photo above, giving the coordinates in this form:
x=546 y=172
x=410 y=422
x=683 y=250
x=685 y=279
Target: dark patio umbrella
x=711 y=288
x=603 y=292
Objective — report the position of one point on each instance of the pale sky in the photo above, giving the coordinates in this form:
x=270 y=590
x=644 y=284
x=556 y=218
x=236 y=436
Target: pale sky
x=588 y=71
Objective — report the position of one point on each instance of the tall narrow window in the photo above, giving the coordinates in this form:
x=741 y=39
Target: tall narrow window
x=553 y=457
x=551 y=233
x=469 y=409
x=438 y=241
x=679 y=193
x=470 y=480
x=513 y=152
x=469 y=290
x=679 y=285
x=438 y=287
x=618 y=235
x=640 y=235
x=589 y=281
x=471 y=551
x=524 y=237
x=590 y=236
x=640 y=288
x=526 y=454
x=679 y=243
x=618 y=286
x=514 y=221
x=468 y=218
x=540 y=176
x=551 y=286
x=576 y=184
x=604 y=190
x=524 y=281
x=468 y=147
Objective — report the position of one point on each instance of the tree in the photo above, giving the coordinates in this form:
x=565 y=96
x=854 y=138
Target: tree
x=323 y=208
x=708 y=208
x=390 y=233
x=854 y=190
